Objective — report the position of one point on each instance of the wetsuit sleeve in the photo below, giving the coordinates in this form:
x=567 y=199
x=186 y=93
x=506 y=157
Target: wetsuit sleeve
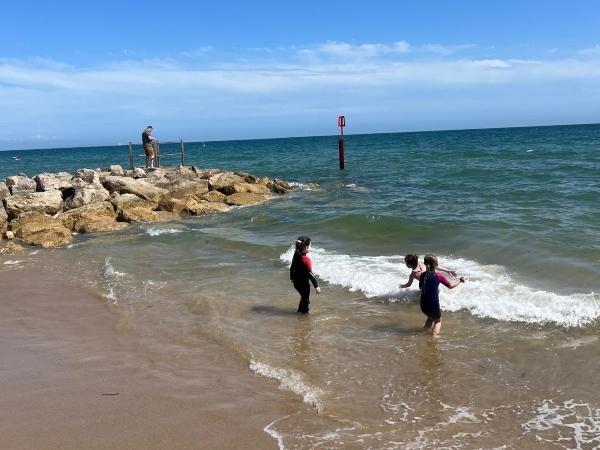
x=292 y=269
x=308 y=264
x=444 y=280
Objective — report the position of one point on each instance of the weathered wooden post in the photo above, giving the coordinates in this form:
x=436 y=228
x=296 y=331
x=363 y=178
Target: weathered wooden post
x=182 y=153
x=341 y=124
x=130 y=155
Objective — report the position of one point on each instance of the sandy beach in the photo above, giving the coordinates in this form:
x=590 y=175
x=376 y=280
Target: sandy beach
x=71 y=379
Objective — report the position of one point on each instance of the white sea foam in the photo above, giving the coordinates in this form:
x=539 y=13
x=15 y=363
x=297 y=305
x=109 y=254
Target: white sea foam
x=577 y=425
x=112 y=297
x=489 y=291
x=274 y=434
x=289 y=380
x=12 y=262
x=110 y=272
x=159 y=231
x=304 y=187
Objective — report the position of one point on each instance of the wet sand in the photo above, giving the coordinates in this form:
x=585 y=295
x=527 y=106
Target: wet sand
x=70 y=378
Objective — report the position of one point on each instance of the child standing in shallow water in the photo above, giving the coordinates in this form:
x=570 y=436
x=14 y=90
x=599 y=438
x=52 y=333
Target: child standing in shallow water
x=412 y=262
x=429 y=283
x=301 y=273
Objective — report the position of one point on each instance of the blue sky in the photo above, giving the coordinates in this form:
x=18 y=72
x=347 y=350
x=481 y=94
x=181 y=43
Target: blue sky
x=89 y=73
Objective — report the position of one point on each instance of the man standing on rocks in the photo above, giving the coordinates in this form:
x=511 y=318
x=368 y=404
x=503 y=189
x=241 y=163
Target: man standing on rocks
x=147 y=142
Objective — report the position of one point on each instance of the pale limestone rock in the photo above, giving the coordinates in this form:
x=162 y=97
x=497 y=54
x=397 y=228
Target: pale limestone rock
x=140 y=188
x=52 y=181
x=116 y=170
x=88 y=175
x=224 y=182
x=82 y=193
x=250 y=188
x=200 y=208
x=3 y=220
x=49 y=202
x=138 y=172
x=246 y=199
x=39 y=229
x=215 y=196
x=20 y=184
x=11 y=248
x=91 y=218
x=4 y=192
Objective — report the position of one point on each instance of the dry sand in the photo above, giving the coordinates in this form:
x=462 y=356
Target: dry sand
x=70 y=380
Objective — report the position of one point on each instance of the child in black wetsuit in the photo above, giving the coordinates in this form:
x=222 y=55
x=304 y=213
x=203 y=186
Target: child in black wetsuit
x=301 y=273
x=429 y=283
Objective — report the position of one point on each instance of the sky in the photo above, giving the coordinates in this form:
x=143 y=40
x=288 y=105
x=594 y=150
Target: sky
x=97 y=72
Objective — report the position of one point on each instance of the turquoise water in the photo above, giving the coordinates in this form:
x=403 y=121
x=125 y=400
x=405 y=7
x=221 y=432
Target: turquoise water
x=525 y=198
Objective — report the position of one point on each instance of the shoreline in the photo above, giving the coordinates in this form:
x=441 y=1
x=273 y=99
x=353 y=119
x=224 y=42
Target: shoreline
x=72 y=379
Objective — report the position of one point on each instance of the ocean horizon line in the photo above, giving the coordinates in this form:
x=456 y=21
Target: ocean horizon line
x=119 y=144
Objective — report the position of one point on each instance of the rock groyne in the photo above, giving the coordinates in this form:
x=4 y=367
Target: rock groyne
x=46 y=210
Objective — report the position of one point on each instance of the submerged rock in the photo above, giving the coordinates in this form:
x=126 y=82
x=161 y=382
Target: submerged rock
x=11 y=248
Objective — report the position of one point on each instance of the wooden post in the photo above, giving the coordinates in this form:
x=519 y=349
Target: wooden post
x=157 y=154
x=130 y=155
x=182 y=153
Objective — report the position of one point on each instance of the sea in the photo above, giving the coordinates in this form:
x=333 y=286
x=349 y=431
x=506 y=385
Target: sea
x=516 y=211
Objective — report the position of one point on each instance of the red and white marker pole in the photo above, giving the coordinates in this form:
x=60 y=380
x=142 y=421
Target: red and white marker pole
x=341 y=124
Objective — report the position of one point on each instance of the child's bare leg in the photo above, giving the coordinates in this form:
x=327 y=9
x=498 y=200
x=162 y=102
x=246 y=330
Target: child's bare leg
x=428 y=323
x=437 y=326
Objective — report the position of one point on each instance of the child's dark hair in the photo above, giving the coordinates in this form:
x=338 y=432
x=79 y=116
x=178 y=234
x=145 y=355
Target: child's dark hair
x=411 y=261
x=301 y=243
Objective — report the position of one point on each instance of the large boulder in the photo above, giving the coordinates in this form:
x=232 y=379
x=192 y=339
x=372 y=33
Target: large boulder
x=182 y=188
x=224 y=182
x=140 y=188
x=131 y=208
x=248 y=177
x=246 y=199
x=20 y=184
x=82 y=193
x=215 y=196
x=4 y=192
x=250 y=188
x=116 y=170
x=3 y=220
x=138 y=172
x=206 y=173
x=91 y=218
x=49 y=202
x=182 y=173
x=88 y=175
x=39 y=229
x=52 y=181
x=200 y=208
x=278 y=186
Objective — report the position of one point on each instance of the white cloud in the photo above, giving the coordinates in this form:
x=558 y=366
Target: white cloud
x=338 y=75
x=343 y=50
